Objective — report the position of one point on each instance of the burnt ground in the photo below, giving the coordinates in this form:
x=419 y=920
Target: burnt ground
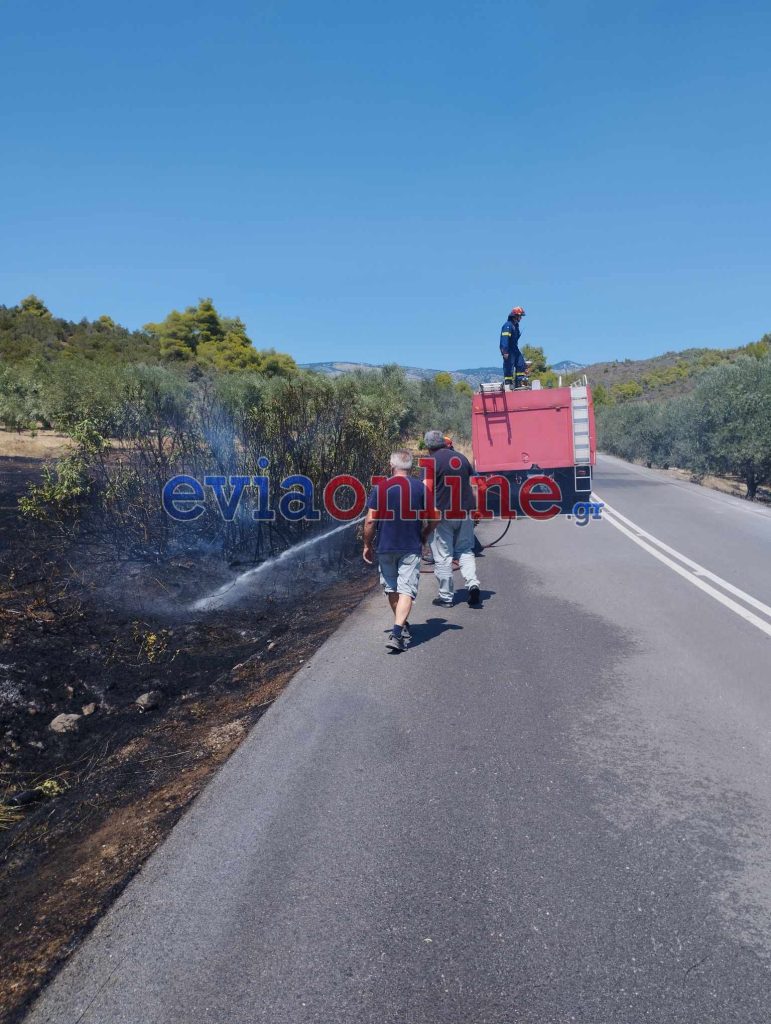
x=81 y=811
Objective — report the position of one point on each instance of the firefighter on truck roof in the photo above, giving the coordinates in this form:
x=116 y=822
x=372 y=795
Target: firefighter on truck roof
x=514 y=365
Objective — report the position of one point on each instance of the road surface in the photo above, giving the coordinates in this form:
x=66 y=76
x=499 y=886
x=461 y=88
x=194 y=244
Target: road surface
x=552 y=809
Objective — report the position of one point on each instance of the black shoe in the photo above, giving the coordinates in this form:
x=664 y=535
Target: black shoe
x=396 y=643
x=474 y=597
x=406 y=635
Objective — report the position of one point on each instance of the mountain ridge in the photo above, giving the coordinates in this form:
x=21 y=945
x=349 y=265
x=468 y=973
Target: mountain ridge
x=472 y=375
x=662 y=376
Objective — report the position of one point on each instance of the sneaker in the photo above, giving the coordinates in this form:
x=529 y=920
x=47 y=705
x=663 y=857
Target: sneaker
x=396 y=643
x=442 y=604
x=474 y=597
x=406 y=635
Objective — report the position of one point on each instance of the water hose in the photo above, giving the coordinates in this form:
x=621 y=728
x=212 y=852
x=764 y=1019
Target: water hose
x=484 y=547
x=497 y=539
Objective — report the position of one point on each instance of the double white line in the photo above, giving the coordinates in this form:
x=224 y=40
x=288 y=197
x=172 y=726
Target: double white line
x=690 y=570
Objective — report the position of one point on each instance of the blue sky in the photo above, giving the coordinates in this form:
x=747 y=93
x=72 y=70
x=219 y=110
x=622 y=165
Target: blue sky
x=382 y=182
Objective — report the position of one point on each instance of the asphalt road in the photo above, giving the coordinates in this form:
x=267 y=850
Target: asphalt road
x=555 y=808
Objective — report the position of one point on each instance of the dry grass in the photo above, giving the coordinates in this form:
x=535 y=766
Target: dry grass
x=40 y=444
x=727 y=485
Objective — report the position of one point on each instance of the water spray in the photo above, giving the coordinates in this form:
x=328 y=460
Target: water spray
x=229 y=592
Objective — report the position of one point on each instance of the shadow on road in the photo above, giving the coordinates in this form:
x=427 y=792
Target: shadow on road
x=423 y=632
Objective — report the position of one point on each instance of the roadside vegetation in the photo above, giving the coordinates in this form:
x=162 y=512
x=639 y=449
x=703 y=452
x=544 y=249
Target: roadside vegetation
x=192 y=395
x=721 y=427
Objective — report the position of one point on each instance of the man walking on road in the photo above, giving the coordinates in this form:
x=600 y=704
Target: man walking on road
x=453 y=538
x=514 y=364
x=400 y=537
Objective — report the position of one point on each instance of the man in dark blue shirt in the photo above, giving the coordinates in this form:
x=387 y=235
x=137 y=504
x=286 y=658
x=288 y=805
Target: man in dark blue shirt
x=393 y=526
x=514 y=365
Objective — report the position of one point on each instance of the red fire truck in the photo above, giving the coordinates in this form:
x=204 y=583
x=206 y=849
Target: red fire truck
x=529 y=432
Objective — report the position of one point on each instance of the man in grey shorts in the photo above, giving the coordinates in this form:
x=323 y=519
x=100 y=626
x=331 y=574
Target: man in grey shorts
x=392 y=518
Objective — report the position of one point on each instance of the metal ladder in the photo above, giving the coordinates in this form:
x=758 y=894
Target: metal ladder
x=579 y=405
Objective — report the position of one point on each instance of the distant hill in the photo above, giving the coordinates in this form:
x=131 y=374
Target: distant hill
x=664 y=376
x=473 y=375
x=567 y=366
x=667 y=375
x=334 y=369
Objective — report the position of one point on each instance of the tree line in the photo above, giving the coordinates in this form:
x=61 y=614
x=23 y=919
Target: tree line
x=721 y=427
x=192 y=395
x=140 y=425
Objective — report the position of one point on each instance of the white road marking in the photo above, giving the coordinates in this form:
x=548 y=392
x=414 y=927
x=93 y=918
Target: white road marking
x=699 y=570
x=693 y=574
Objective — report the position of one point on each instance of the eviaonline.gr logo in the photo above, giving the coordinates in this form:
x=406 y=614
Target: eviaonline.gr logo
x=345 y=498
x=584 y=511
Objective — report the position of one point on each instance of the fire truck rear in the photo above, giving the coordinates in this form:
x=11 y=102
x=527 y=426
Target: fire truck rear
x=525 y=433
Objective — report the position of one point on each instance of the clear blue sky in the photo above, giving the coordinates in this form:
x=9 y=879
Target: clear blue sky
x=377 y=181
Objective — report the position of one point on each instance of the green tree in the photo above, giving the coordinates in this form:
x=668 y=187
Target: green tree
x=722 y=427
x=206 y=322
x=623 y=392
x=731 y=406
x=536 y=356
x=232 y=351
x=759 y=349
x=75 y=390
x=201 y=335
x=275 y=364
x=33 y=306
x=174 y=336
x=65 y=487
x=548 y=378
x=180 y=334
x=19 y=396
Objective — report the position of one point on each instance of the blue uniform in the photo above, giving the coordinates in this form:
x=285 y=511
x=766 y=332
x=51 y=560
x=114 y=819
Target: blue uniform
x=513 y=360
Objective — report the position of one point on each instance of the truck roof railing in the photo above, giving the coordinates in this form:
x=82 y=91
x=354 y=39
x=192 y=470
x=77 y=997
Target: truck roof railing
x=496 y=387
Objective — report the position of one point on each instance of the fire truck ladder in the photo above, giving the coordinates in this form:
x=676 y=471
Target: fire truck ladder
x=582 y=456
x=495 y=410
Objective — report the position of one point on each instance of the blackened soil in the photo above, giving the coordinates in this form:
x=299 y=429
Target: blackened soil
x=81 y=811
